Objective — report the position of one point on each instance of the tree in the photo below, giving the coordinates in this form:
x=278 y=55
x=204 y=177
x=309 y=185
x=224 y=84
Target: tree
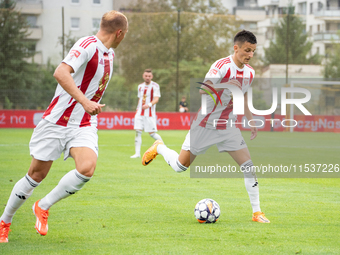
x=330 y=95
x=332 y=62
x=15 y=73
x=290 y=32
x=205 y=36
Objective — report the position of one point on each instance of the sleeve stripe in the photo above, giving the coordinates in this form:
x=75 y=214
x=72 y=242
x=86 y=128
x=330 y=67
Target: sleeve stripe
x=87 y=42
x=220 y=63
x=250 y=67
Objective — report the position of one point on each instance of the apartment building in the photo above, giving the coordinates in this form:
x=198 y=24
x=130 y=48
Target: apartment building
x=80 y=18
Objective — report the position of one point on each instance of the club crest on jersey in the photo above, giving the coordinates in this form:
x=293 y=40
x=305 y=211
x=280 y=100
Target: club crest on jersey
x=246 y=81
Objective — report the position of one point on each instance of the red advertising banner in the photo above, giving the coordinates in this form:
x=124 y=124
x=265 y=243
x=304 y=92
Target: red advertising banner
x=106 y=120
x=179 y=121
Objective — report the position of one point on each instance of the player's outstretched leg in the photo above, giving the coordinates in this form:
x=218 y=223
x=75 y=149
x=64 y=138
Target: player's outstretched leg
x=252 y=187
x=156 y=136
x=170 y=156
x=138 y=144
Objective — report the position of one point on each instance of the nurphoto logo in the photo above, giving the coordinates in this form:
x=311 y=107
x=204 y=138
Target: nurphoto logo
x=238 y=104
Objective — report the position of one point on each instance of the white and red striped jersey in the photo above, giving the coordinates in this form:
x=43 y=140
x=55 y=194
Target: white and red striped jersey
x=222 y=71
x=146 y=93
x=92 y=63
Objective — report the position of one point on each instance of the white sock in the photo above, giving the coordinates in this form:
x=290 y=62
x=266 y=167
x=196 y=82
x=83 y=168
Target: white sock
x=67 y=186
x=138 y=142
x=156 y=136
x=22 y=190
x=171 y=157
x=251 y=184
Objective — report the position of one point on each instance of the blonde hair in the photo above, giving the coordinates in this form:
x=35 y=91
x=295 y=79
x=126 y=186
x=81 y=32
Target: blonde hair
x=112 y=21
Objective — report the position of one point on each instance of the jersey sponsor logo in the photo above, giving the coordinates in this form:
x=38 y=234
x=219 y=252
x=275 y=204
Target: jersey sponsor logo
x=74 y=53
x=239 y=75
x=213 y=72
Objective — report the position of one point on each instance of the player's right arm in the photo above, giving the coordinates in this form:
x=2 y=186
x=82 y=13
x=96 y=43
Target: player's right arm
x=63 y=76
x=78 y=56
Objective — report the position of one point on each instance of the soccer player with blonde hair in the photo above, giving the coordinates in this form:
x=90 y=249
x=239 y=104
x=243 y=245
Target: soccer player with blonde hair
x=69 y=123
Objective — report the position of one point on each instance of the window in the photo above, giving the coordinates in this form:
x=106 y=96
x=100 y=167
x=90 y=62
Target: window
x=75 y=23
x=95 y=24
x=311 y=8
x=75 y=1
x=318 y=50
x=240 y=2
x=310 y=30
x=253 y=26
x=31 y=20
x=96 y=1
x=302 y=8
x=318 y=27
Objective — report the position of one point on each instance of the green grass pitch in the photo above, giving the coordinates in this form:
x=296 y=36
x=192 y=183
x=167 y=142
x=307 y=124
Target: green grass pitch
x=130 y=209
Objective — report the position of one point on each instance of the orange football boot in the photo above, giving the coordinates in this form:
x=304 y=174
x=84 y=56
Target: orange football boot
x=259 y=217
x=4 y=231
x=42 y=215
x=151 y=153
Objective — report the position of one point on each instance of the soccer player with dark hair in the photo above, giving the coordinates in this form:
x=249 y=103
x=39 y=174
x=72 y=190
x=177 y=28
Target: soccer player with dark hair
x=232 y=70
x=69 y=123
x=145 y=117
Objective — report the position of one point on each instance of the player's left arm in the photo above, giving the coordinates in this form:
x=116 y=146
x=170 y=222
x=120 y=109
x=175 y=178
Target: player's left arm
x=249 y=116
x=153 y=102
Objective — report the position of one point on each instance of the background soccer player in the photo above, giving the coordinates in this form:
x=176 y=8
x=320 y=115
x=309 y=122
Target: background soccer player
x=69 y=123
x=233 y=70
x=145 y=118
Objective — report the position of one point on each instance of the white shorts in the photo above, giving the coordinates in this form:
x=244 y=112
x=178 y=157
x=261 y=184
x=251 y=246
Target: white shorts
x=49 y=140
x=148 y=124
x=203 y=138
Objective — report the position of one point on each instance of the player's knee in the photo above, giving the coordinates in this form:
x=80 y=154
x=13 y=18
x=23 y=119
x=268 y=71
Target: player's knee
x=37 y=176
x=87 y=167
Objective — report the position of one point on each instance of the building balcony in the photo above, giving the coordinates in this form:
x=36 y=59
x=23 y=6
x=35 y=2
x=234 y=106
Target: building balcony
x=327 y=36
x=35 y=33
x=262 y=3
x=328 y=14
x=253 y=14
x=29 y=6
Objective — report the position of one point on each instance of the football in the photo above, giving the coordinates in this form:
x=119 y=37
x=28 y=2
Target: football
x=207 y=211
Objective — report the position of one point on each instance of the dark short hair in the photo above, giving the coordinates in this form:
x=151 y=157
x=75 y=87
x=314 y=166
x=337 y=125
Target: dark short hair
x=245 y=36
x=148 y=70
